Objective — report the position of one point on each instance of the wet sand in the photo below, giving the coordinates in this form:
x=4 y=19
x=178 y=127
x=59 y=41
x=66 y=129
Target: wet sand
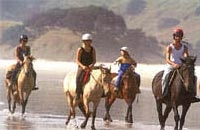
x=47 y=109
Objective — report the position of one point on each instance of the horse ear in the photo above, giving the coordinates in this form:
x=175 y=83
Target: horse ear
x=195 y=57
x=182 y=59
x=32 y=58
x=110 y=68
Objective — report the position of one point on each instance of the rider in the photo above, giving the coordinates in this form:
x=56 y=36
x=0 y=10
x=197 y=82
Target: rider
x=125 y=62
x=85 y=59
x=174 y=52
x=21 y=50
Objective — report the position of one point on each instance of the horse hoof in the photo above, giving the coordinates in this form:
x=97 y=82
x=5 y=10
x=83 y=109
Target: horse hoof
x=82 y=126
x=93 y=128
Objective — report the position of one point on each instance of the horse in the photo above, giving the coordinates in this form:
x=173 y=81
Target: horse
x=20 y=91
x=96 y=88
x=178 y=92
x=128 y=91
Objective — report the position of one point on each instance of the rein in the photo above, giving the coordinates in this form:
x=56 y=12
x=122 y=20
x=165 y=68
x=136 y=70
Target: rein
x=180 y=75
x=173 y=74
x=100 y=83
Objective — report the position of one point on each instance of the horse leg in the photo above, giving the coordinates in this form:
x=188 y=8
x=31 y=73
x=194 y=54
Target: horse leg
x=68 y=119
x=109 y=100
x=129 y=117
x=71 y=114
x=176 y=116
x=71 y=108
x=94 y=114
x=86 y=104
x=184 y=112
x=160 y=115
x=8 y=94
x=166 y=113
x=81 y=107
x=14 y=106
x=21 y=96
x=24 y=101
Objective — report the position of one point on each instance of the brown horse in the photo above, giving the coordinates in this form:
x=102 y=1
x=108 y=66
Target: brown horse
x=94 y=89
x=128 y=91
x=178 y=94
x=21 y=90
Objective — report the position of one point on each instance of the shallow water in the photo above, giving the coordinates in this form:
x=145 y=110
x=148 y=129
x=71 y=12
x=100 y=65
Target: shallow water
x=47 y=109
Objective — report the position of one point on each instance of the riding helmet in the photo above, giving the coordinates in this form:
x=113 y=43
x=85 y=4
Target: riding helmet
x=178 y=32
x=86 y=36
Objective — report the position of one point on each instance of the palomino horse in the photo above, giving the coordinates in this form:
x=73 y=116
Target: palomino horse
x=20 y=91
x=128 y=91
x=178 y=94
x=94 y=89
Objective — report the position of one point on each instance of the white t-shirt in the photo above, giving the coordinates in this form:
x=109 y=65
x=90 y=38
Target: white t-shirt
x=176 y=55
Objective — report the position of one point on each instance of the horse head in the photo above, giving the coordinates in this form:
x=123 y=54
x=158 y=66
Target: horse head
x=187 y=71
x=27 y=64
x=105 y=78
x=128 y=78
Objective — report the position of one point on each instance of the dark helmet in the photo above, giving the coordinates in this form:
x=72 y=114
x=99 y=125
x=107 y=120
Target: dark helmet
x=178 y=32
x=23 y=37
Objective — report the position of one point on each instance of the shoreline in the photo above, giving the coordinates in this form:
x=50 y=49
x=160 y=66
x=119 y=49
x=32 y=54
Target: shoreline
x=146 y=71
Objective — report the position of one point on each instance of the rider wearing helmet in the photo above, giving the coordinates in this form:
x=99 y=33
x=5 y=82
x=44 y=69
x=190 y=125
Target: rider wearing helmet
x=21 y=50
x=85 y=59
x=174 y=52
x=125 y=62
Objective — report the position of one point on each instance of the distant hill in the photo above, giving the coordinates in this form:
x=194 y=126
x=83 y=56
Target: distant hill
x=154 y=18
x=56 y=34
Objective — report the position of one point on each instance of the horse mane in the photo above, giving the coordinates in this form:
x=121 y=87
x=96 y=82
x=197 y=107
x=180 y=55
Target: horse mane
x=188 y=64
x=129 y=71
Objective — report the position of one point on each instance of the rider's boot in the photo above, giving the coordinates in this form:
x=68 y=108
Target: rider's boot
x=78 y=92
x=165 y=87
x=35 y=87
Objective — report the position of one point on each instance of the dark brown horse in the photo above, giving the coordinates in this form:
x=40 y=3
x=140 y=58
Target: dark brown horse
x=178 y=94
x=128 y=91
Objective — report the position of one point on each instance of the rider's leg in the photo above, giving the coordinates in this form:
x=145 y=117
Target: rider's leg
x=118 y=81
x=13 y=78
x=138 y=81
x=165 y=81
x=79 y=77
x=34 y=75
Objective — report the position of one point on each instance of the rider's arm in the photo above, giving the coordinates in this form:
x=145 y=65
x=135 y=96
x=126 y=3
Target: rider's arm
x=17 y=55
x=118 y=60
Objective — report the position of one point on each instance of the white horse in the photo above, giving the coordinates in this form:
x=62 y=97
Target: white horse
x=93 y=90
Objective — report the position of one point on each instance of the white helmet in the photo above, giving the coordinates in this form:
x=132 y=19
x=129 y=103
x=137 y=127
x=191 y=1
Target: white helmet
x=86 y=36
x=124 y=49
